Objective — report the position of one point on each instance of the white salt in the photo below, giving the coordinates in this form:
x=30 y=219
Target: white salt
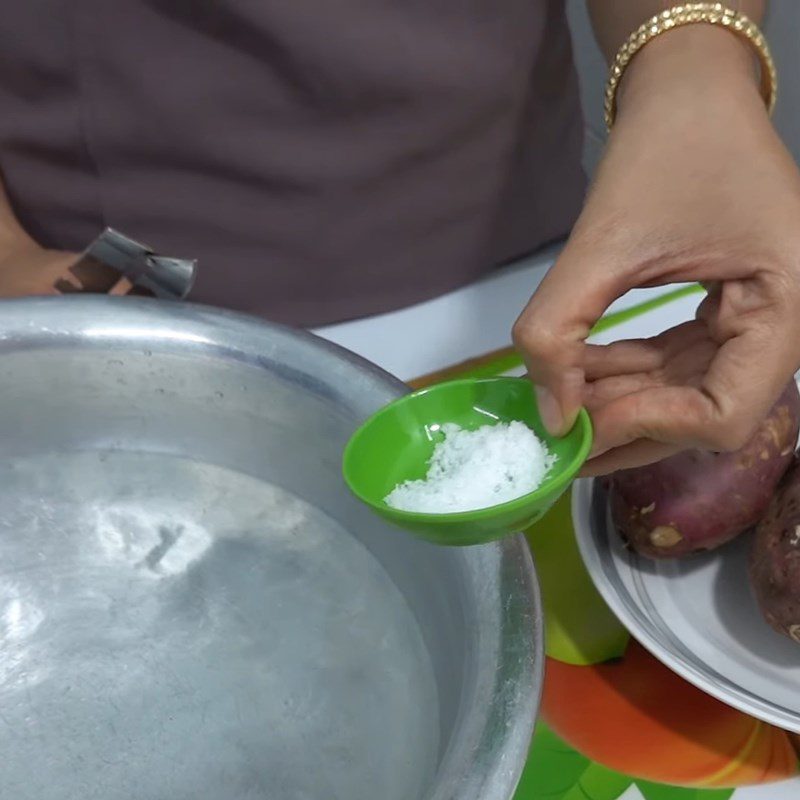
x=477 y=469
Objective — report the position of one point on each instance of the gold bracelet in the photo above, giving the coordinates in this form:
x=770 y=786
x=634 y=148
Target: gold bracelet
x=689 y=14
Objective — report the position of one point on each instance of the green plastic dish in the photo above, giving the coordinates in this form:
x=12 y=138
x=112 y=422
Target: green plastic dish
x=395 y=445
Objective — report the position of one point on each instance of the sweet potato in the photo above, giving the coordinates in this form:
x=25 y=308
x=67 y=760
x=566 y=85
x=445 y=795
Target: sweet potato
x=775 y=558
x=699 y=500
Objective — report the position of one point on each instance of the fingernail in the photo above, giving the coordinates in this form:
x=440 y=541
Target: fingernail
x=549 y=411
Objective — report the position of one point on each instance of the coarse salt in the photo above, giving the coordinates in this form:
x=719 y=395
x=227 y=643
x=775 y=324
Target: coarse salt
x=477 y=469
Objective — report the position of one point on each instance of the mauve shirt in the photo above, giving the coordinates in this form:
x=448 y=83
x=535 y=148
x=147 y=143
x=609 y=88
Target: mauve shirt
x=323 y=159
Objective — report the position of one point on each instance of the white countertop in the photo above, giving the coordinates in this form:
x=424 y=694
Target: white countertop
x=477 y=319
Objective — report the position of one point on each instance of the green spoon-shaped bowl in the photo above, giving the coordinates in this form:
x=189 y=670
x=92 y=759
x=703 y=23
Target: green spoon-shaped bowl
x=396 y=444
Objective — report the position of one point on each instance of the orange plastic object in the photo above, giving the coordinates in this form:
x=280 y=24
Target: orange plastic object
x=636 y=716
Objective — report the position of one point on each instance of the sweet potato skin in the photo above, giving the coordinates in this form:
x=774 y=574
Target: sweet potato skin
x=697 y=501
x=775 y=558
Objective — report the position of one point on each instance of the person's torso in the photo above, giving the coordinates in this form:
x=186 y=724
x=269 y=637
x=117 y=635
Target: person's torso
x=321 y=159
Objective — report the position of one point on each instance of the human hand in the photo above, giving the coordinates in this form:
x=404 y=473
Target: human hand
x=28 y=269
x=695 y=186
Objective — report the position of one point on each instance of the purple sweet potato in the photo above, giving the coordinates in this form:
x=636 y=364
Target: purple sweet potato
x=775 y=558
x=698 y=500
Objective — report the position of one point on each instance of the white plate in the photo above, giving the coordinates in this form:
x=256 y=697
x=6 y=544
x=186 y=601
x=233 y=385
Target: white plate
x=698 y=616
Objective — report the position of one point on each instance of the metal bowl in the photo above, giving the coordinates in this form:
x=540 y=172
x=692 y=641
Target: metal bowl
x=192 y=606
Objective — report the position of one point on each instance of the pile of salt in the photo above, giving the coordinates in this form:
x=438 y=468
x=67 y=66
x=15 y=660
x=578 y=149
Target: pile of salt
x=477 y=469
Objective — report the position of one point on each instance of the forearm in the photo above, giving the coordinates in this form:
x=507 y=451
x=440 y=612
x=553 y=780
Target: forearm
x=26 y=268
x=12 y=234
x=694 y=186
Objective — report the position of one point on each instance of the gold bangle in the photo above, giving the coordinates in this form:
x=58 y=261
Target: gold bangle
x=689 y=14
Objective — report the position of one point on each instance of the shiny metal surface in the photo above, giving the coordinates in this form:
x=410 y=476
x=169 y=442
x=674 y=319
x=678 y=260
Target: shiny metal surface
x=191 y=604
x=160 y=276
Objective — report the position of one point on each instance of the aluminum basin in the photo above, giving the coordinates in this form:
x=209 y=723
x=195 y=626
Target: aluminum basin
x=191 y=604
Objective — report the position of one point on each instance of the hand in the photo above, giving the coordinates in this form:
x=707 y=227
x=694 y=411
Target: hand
x=28 y=269
x=695 y=186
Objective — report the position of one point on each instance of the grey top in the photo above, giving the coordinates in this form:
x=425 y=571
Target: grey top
x=322 y=160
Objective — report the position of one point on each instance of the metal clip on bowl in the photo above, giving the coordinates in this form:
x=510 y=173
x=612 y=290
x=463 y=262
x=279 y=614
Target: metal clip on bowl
x=114 y=264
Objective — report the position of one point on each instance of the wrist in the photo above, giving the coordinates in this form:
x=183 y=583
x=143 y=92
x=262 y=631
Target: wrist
x=694 y=65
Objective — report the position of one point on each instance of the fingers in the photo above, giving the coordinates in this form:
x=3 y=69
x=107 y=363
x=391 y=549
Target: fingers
x=743 y=382
x=551 y=331
x=677 y=357
x=642 y=355
x=664 y=414
x=635 y=454
x=622 y=358
x=600 y=393
x=708 y=310
x=720 y=413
